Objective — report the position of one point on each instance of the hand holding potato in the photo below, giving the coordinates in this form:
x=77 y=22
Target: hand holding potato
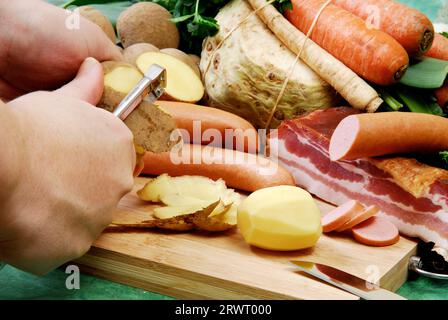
x=39 y=51
x=73 y=163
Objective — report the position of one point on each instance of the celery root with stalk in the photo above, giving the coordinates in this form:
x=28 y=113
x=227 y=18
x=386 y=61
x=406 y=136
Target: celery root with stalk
x=355 y=90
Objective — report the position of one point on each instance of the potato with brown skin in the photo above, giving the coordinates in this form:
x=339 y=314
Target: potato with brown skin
x=98 y=18
x=147 y=22
x=153 y=128
x=131 y=53
x=182 y=56
x=119 y=79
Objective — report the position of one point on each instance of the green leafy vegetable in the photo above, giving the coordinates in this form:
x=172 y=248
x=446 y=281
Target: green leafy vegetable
x=444 y=156
x=283 y=5
x=427 y=73
x=445 y=34
x=418 y=100
x=390 y=100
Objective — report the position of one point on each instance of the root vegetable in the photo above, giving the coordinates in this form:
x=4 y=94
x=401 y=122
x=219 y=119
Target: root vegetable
x=149 y=23
x=239 y=170
x=98 y=18
x=182 y=56
x=119 y=79
x=442 y=96
x=355 y=90
x=280 y=218
x=188 y=195
x=439 y=49
x=372 y=54
x=153 y=129
x=409 y=26
x=131 y=53
x=243 y=135
x=195 y=59
x=183 y=84
x=245 y=77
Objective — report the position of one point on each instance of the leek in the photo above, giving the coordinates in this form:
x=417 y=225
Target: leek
x=427 y=73
x=418 y=100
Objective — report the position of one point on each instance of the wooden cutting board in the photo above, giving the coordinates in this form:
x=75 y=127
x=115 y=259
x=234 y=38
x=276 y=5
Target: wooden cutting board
x=200 y=265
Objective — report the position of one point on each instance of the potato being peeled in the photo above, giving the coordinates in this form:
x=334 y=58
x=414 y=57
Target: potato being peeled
x=282 y=218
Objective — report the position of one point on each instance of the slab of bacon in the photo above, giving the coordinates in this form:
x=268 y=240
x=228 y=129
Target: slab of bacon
x=412 y=195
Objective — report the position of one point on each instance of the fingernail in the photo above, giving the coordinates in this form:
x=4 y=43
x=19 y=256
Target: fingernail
x=88 y=64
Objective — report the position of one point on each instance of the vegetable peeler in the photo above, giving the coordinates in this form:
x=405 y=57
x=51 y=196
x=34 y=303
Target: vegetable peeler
x=150 y=88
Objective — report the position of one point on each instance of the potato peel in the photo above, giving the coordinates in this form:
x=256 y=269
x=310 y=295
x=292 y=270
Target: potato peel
x=198 y=220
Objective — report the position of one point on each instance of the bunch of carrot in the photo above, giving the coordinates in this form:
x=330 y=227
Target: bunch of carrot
x=375 y=38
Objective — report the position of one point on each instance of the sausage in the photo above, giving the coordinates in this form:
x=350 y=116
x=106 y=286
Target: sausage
x=369 y=135
x=340 y=215
x=377 y=232
x=242 y=134
x=244 y=171
x=358 y=218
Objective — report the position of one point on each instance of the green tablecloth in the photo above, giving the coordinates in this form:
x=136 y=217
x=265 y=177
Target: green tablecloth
x=15 y=284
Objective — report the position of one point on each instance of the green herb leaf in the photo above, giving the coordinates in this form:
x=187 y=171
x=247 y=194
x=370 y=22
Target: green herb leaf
x=283 y=5
x=444 y=156
x=445 y=34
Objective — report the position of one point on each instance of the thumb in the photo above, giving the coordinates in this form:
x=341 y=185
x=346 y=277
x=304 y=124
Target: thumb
x=88 y=84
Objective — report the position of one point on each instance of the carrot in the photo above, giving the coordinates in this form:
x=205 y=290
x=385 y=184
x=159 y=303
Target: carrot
x=216 y=127
x=410 y=27
x=372 y=54
x=350 y=86
x=439 y=49
x=442 y=95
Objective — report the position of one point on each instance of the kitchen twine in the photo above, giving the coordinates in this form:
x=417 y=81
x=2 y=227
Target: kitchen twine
x=286 y=81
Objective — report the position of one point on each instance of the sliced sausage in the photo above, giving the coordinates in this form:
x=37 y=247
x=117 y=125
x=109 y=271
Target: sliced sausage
x=202 y=124
x=244 y=171
x=377 y=134
x=340 y=215
x=358 y=218
x=377 y=232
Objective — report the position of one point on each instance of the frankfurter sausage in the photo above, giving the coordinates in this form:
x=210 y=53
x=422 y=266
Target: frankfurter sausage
x=377 y=232
x=358 y=218
x=378 y=134
x=244 y=171
x=211 y=126
x=341 y=215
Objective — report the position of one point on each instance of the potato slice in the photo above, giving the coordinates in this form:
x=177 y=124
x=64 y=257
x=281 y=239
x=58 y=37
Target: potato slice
x=189 y=186
x=183 y=84
x=176 y=200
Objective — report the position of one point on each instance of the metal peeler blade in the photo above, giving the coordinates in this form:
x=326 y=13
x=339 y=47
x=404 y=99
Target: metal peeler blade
x=152 y=86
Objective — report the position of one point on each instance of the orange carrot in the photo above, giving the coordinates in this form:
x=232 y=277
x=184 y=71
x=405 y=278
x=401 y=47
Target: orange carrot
x=442 y=95
x=439 y=49
x=372 y=54
x=410 y=27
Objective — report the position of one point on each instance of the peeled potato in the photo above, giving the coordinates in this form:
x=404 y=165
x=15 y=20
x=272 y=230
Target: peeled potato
x=183 y=84
x=280 y=218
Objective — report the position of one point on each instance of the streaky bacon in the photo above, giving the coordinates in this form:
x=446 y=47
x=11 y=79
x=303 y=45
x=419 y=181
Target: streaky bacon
x=410 y=194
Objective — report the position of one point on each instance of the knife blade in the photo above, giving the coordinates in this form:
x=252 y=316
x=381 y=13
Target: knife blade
x=346 y=281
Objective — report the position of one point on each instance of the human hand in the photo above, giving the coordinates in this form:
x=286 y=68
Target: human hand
x=39 y=52
x=76 y=163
